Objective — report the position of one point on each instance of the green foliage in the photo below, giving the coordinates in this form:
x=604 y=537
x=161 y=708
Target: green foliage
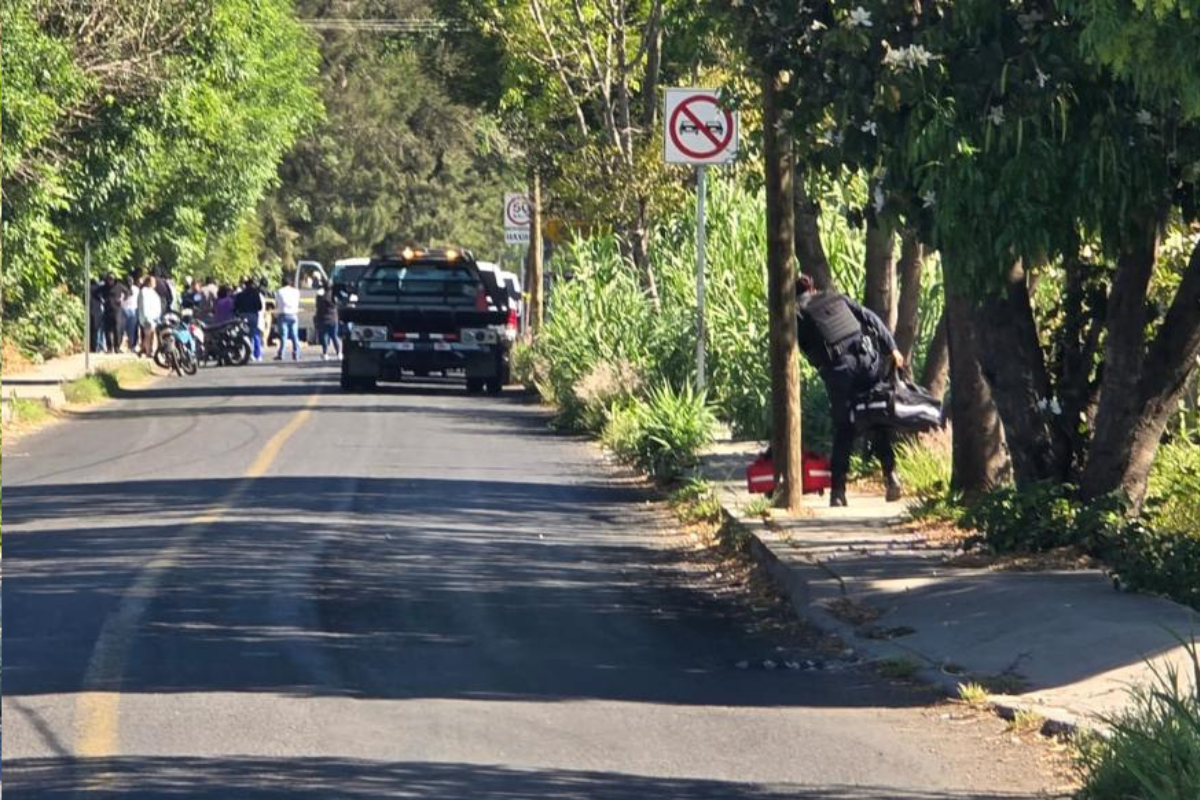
x=1152 y=751
x=1042 y=517
x=600 y=313
x=144 y=162
x=695 y=502
x=1157 y=551
x=1173 y=500
x=85 y=391
x=51 y=325
x=924 y=465
x=662 y=434
x=397 y=160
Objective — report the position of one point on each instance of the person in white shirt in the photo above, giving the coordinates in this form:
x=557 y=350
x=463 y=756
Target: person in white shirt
x=149 y=314
x=287 y=308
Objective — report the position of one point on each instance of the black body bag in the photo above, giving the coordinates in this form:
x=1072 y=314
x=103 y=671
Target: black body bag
x=897 y=403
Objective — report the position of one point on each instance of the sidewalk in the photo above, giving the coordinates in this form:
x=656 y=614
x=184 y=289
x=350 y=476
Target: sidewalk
x=1061 y=643
x=43 y=382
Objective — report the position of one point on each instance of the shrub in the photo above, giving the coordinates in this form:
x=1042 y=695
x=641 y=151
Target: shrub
x=1173 y=497
x=523 y=364
x=924 y=464
x=605 y=386
x=1042 y=517
x=662 y=434
x=1153 y=750
x=50 y=326
x=1157 y=561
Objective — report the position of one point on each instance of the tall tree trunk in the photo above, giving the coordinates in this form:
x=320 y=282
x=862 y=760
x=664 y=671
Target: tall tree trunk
x=1015 y=367
x=980 y=457
x=654 y=39
x=536 y=301
x=639 y=252
x=809 y=249
x=781 y=298
x=1127 y=432
x=912 y=258
x=936 y=371
x=880 y=295
x=1078 y=344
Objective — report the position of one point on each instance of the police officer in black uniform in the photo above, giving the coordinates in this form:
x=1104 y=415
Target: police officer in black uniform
x=853 y=350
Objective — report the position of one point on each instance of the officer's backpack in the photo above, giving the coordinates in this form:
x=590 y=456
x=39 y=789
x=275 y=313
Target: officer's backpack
x=832 y=321
x=897 y=403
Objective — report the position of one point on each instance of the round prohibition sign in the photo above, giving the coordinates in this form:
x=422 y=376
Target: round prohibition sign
x=516 y=213
x=715 y=144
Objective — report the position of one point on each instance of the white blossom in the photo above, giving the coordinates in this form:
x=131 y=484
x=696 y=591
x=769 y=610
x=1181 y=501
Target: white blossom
x=860 y=17
x=878 y=198
x=869 y=127
x=909 y=57
x=817 y=25
x=929 y=199
x=996 y=115
x=1042 y=78
x=838 y=138
x=1144 y=117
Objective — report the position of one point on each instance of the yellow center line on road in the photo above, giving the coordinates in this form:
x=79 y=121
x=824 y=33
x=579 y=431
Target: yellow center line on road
x=97 y=716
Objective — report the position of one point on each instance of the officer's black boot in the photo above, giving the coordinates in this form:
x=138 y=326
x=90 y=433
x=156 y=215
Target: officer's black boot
x=837 y=493
x=894 y=487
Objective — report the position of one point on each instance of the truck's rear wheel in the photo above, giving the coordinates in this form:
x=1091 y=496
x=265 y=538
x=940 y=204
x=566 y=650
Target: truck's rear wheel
x=474 y=385
x=495 y=385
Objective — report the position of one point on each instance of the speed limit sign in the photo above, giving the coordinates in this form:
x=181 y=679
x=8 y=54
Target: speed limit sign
x=516 y=218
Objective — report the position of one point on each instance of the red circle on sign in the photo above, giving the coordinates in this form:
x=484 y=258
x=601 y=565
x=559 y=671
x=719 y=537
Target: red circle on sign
x=701 y=127
x=517 y=212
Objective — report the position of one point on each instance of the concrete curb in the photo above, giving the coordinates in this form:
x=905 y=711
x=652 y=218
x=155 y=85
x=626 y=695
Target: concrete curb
x=794 y=584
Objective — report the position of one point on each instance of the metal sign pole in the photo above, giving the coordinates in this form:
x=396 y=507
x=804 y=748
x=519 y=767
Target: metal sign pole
x=87 y=307
x=701 y=192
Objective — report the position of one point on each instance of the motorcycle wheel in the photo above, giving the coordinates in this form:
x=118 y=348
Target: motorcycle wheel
x=187 y=360
x=165 y=345
x=240 y=353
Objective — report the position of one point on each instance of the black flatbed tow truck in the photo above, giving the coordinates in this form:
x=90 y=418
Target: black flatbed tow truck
x=424 y=311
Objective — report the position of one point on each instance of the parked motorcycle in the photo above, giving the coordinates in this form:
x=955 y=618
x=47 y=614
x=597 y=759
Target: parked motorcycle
x=227 y=343
x=177 y=351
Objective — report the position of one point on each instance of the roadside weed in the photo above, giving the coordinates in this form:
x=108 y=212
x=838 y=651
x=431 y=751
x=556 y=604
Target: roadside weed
x=1026 y=721
x=1152 y=751
x=898 y=668
x=973 y=694
x=758 y=506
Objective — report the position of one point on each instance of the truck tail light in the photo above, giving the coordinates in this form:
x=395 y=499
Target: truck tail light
x=481 y=299
x=511 y=324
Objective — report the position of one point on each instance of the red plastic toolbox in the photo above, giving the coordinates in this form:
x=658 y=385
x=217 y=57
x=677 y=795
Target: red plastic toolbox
x=818 y=476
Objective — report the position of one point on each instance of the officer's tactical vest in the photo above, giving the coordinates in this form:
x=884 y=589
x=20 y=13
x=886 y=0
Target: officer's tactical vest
x=831 y=320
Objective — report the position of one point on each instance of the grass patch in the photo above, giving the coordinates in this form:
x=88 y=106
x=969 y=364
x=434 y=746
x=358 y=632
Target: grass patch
x=1153 y=748
x=898 y=668
x=696 y=503
x=86 y=390
x=1025 y=721
x=105 y=383
x=28 y=412
x=759 y=506
x=973 y=694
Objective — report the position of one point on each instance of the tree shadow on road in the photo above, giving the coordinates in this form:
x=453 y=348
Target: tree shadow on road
x=137 y=778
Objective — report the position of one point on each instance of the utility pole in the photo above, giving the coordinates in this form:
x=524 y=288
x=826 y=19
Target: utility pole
x=781 y=299
x=87 y=307
x=536 y=281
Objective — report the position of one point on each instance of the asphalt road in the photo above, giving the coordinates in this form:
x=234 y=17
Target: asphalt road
x=250 y=585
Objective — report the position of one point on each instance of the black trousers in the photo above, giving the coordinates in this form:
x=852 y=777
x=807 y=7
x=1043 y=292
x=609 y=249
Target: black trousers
x=114 y=329
x=843 y=382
